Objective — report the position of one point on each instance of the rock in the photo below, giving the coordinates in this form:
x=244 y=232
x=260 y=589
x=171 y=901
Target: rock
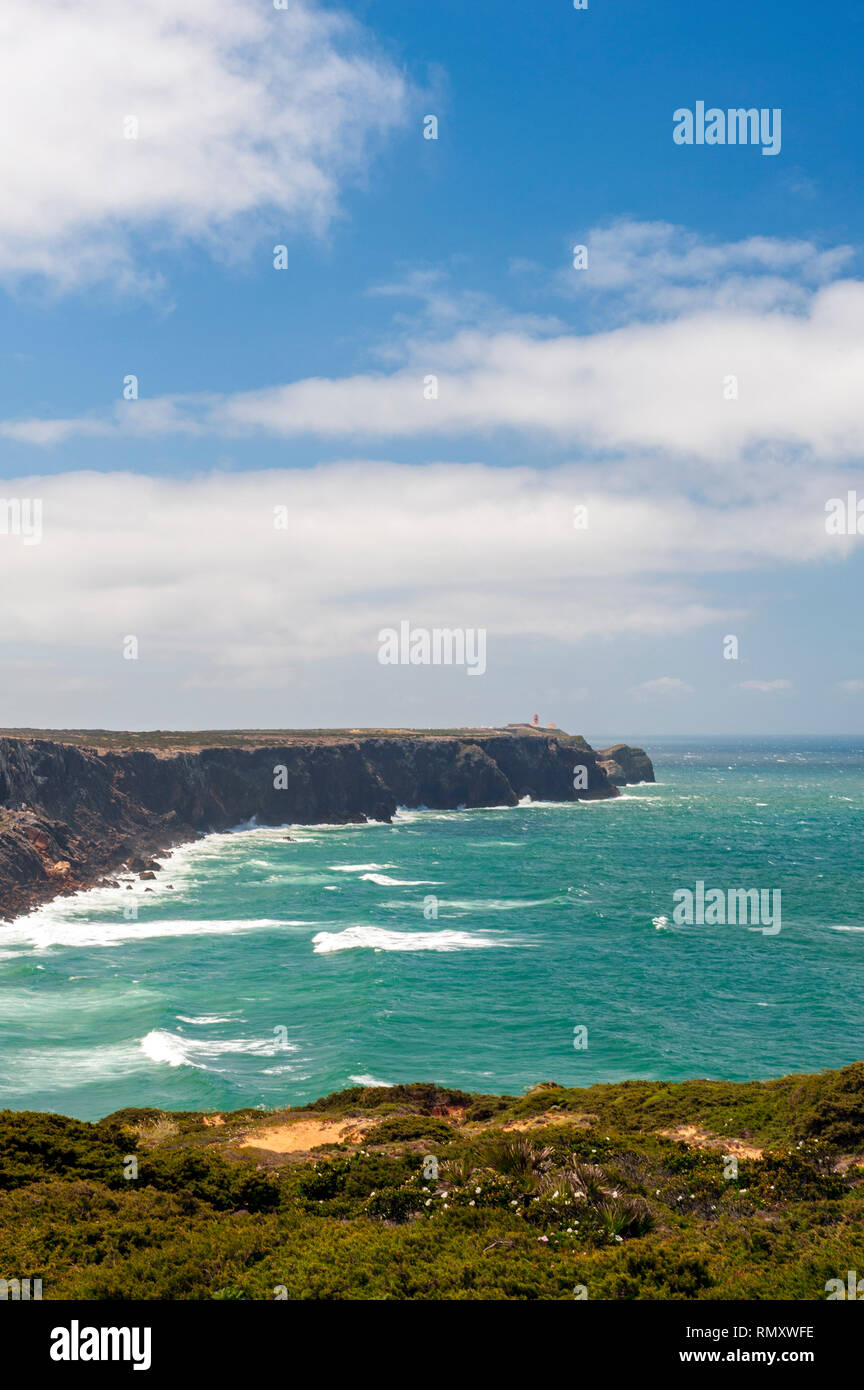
x=625 y=766
x=614 y=771
x=148 y=873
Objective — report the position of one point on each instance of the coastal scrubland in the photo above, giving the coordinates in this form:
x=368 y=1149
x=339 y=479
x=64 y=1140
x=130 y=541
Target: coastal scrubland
x=639 y=1190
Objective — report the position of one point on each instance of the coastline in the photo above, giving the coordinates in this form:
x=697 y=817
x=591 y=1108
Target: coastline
x=79 y=808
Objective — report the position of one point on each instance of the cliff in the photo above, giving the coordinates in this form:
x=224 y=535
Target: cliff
x=624 y=765
x=77 y=806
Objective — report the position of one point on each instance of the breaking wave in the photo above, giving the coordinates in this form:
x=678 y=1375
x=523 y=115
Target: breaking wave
x=379 y=939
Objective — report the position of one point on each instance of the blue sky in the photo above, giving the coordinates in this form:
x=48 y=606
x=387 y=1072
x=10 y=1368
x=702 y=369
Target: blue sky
x=407 y=256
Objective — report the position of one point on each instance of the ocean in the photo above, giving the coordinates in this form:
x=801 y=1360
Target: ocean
x=483 y=949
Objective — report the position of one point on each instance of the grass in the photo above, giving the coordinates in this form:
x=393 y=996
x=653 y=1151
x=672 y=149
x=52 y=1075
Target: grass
x=171 y=741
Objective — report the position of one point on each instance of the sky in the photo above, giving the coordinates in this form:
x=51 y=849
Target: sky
x=282 y=373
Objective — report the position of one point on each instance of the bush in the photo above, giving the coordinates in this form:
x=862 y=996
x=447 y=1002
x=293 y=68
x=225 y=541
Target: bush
x=518 y=1157
x=35 y=1146
x=202 y=1177
x=833 y=1111
x=511 y=1215
x=394 y=1203
x=424 y=1097
x=408 y=1127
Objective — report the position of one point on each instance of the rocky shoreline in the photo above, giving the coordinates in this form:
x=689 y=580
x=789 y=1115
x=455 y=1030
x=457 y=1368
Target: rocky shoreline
x=78 y=807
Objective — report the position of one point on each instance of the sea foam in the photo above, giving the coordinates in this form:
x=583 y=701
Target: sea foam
x=378 y=939
x=386 y=882
x=41 y=935
x=176 y=1051
x=359 y=868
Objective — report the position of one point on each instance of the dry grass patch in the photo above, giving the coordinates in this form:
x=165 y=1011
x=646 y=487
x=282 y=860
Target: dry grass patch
x=697 y=1138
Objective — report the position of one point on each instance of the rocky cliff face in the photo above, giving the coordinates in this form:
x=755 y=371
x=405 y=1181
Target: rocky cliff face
x=70 y=814
x=624 y=765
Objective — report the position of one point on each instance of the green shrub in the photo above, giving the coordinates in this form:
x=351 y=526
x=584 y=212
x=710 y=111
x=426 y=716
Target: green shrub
x=203 y=1177
x=512 y=1215
x=35 y=1146
x=408 y=1127
x=833 y=1109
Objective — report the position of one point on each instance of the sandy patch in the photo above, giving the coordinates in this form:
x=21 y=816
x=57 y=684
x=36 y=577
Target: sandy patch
x=698 y=1138
x=298 y=1136
x=551 y=1117
x=849 y=1161
x=214 y=1119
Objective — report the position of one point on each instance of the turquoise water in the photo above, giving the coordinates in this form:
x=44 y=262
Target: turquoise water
x=274 y=971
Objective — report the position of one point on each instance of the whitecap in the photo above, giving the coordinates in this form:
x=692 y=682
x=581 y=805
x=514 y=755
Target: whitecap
x=359 y=868
x=493 y=904
x=204 y=1019
x=386 y=882
x=40 y=932
x=379 y=939
x=171 y=1048
x=160 y=1046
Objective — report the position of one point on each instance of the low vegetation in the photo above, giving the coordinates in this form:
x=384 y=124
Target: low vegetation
x=441 y=1194
x=185 y=741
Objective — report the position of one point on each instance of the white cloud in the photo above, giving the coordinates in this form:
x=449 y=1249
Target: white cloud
x=669 y=269
x=445 y=307
x=653 y=389
x=245 y=112
x=199 y=572
x=57 y=431
x=222 y=601
x=664 y=685
x=851 y=687
x=765 y=687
